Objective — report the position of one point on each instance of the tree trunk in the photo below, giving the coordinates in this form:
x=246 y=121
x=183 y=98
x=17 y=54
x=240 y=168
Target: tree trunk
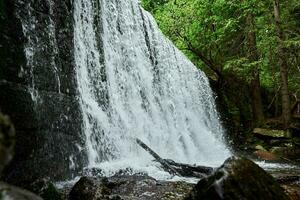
x=286 y=112
x=257 y=107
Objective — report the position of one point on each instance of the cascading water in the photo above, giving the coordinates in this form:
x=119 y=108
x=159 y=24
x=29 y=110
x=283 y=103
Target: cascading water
x=133 y=83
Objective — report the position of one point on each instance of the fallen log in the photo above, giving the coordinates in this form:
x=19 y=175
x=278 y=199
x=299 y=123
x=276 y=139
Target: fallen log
x=187 y=170
x=164 y=164
x=178 y=169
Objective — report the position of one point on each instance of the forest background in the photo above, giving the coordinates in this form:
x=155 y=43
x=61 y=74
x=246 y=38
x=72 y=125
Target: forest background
x=250 y=51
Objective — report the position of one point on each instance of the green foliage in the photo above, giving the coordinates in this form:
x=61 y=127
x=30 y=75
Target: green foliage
x=216 y=30
x=152 y=5
x=216 y=36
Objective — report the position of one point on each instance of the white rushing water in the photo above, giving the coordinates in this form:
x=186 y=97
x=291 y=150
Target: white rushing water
x=133 y=83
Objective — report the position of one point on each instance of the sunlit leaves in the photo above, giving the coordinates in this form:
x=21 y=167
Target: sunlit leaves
x=218 y=29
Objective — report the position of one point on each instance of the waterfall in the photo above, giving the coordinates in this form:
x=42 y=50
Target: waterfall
x=133 y=83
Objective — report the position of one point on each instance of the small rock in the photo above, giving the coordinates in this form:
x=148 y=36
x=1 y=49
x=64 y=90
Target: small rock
x=272 y=133
x=259 y=147
x=9 y=192
x=88 y=188
x=265 y=155
x=238 y=178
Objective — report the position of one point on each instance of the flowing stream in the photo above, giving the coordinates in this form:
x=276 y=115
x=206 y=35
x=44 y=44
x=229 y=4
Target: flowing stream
x=133 y=83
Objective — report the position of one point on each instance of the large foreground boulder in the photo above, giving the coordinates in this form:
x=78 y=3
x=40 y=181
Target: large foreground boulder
x=7 y=141
x=9 y=192
x=238 y=178
x=7 y=144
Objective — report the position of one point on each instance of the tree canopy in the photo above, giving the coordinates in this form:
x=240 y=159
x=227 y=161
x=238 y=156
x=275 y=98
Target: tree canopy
x=237 y=43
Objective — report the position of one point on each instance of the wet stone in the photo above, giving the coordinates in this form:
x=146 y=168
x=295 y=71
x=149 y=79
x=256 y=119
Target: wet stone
x=45 y=189
x=9 y=192
x=238 y=178
x=128 y=187
x=7 y=141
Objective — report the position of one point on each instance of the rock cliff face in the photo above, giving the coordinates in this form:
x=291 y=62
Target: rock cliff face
x=38 y=88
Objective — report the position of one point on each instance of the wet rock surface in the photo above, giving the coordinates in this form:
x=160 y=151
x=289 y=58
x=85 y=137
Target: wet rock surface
x=7 y=141
x=38 y=89
x=238 y=178
x=128 y=187
x=9 y=192
x=289 y=180
x=45 y=189
x=292 y=190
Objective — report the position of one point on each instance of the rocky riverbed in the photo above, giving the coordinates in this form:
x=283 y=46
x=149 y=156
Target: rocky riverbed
x=237 y=178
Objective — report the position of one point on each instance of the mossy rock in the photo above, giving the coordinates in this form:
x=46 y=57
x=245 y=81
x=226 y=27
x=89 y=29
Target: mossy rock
x=272 y=133
x=238 y=178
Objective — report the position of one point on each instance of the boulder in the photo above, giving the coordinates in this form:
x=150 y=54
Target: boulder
x=7 y=141
x=45 y=189
x=128 y=187
x=238 y=178
x=272 y=133
x=89 y=188
x=10 y=192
